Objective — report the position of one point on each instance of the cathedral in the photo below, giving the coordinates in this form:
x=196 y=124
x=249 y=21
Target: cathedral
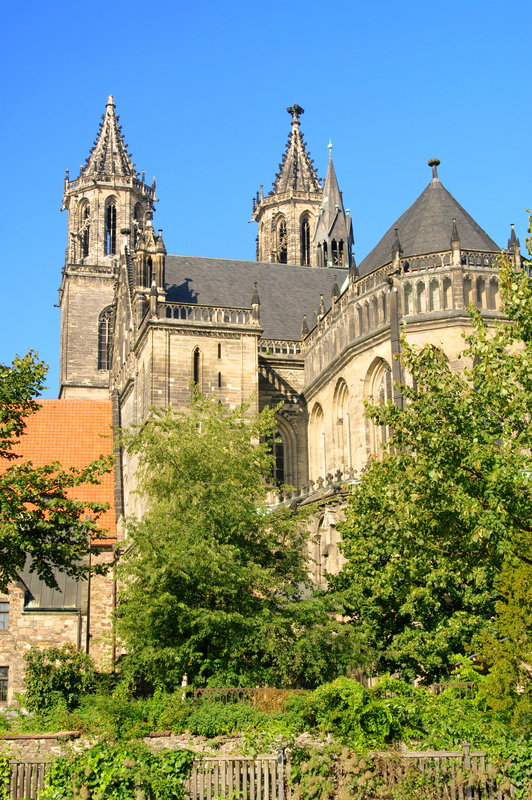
x=303 y=327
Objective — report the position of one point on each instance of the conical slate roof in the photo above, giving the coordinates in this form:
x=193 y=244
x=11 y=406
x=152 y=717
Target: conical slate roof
x=295 y=170
x=333 y=222
x=426 y=227
x=109 y=154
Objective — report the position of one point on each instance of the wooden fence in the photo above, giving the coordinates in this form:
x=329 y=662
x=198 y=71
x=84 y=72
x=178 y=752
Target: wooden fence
x=259 y=778
x=27 y=778
x=452 y=775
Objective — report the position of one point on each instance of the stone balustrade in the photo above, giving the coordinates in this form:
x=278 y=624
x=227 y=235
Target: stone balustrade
x=280 y=347
x=204 y=315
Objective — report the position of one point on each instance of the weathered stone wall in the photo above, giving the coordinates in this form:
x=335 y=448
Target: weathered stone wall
x=84 y=297
x=28 y=628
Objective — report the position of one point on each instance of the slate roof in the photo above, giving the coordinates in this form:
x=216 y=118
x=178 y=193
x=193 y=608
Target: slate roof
x=295 y=170
x=109 y=153
x=73 y=432
x=286 y=292
x=425 y=227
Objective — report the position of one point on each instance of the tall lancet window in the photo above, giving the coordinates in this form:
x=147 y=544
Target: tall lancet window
x=305 y=241
x=147 y=272
x=110 y=229
x=196 y=367
x=104 y=338
x=85 y=230
x=282 y=242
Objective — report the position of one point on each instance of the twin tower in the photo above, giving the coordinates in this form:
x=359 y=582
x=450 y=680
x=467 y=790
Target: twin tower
x=110 y=210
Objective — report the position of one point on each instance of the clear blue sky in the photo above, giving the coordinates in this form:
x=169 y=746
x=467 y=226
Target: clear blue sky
x=201 y=89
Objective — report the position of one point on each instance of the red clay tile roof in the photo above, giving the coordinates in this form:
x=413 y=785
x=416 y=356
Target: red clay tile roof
x=73 y=432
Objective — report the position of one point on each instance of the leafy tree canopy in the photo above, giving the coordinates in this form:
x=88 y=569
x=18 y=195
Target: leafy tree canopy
x=38 y=517
x=214 y=585
x=450 y=503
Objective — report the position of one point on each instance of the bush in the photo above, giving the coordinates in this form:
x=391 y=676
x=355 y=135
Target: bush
x=220 y=720
x=56 y=676
x=123 y=771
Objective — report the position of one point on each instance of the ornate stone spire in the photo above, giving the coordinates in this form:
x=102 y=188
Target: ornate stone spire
x=295 y=170
x=396 y=246
x=109 y=154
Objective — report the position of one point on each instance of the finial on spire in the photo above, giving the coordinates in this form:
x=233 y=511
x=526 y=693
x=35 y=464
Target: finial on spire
x=110 y=101
x=329 y=148
x=255 y=301
x=296 y=112
x=434 y=163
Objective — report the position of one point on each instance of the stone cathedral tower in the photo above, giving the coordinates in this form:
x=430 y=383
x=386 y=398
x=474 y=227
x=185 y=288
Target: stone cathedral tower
x=106 y=202
x=286 y=217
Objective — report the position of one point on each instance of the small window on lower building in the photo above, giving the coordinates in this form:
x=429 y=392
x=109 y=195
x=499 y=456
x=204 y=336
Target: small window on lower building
x=4 y=616
x=4 y=674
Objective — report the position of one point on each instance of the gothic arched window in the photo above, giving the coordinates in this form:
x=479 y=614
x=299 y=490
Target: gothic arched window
x=85 y=230
x=379 y=387
x=110 y=229
x=305 y=241
x=317 y=443
x=147 y=272
x=282 y=241
x=104 y=338
x=276 y=448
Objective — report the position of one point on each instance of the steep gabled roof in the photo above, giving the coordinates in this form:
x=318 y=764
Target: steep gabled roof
x=109 y=154
x=295 y=170
x=425 y=227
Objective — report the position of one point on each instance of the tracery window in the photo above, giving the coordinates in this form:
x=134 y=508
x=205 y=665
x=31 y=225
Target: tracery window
x=110 y=229
x=305 y=241
x=104 y=338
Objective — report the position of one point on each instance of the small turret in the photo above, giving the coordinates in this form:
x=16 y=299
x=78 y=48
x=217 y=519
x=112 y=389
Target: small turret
x=304 y=328
x=514 y=248
x=321 y=309
x=255 y=307
x=397 y=250
x=455 y=244
x=333 y=235
x=335 y=294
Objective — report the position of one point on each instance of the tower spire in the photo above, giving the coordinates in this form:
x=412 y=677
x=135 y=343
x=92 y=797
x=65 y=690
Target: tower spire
x=286 y=215
x=295 y=170
x=109 y=154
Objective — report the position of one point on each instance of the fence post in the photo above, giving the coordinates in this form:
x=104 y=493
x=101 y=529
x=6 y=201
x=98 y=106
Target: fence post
x=280 y=773
x=467 y=766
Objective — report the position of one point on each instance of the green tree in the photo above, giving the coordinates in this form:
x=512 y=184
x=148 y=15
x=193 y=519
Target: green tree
x=38 y=517
x=213 y=584
x=432 y=524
